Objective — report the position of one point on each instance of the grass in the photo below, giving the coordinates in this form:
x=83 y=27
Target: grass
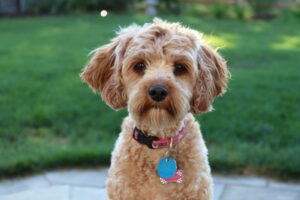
x=49 y=118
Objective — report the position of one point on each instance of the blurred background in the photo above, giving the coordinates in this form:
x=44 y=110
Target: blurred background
x=50 y=119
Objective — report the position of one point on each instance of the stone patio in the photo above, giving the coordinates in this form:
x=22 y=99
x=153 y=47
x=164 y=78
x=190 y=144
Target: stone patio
x=88 y=184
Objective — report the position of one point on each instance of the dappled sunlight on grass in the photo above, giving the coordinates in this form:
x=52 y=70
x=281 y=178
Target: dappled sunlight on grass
x=287 y=43
x=224 y=41
x=259 y=27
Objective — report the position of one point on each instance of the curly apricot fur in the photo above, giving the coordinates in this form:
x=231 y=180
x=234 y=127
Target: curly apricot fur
x=159 y=45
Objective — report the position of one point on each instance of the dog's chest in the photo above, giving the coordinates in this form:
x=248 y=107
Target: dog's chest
x=133 y=173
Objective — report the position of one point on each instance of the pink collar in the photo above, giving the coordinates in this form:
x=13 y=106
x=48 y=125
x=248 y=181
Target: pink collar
x=154 y=142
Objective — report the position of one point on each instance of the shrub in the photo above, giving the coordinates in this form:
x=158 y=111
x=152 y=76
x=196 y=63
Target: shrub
x=67 y=6
x=223 y=11
x=262 y=8
x=231 y=13
x=219 y=10
x=290 y=13
x=296 y=11
x=243 y=12
x=171 y=6
x=38 y=7
x=198 y=10
x=140 y=6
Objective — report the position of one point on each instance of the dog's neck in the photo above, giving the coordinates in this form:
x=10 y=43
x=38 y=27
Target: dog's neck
x=161 y=131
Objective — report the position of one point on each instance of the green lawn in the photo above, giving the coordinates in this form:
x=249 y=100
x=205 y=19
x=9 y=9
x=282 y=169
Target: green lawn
x=49 y=118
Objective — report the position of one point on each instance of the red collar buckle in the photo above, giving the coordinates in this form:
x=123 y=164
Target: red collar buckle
x=154 y=142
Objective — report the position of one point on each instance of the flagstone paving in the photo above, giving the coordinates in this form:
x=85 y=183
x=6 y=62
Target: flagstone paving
x=89 y=184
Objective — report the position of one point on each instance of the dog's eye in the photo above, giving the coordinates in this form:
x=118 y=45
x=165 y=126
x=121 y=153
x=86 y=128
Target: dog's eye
x=179 y=69
x=139 y=67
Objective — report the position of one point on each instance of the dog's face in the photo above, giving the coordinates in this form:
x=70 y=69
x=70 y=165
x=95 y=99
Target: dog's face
x=161 y=71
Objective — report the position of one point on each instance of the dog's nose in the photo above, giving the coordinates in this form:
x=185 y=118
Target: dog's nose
x=158 y=92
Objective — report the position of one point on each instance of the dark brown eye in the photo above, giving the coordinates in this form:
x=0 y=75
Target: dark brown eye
x=139 y=67
x=179 y=69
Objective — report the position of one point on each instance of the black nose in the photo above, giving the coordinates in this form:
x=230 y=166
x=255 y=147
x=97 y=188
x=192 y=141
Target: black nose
x=158 y=92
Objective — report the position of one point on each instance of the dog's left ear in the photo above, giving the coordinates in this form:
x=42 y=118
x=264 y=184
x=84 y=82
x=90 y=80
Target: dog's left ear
x=103 y=71
x=211 y=81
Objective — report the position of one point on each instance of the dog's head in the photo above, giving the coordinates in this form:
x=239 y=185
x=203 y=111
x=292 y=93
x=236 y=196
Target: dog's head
x=161 y=71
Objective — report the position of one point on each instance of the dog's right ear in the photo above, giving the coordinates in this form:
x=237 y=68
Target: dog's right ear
x=100 y=68
x=103 y=71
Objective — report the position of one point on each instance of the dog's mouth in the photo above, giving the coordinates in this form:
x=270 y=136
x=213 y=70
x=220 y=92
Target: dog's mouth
x=164 y=107
x=171 y=110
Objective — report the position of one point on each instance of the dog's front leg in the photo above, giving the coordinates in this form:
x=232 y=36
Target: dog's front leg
x=205 y=191
x=114 y=190
x=118 y=189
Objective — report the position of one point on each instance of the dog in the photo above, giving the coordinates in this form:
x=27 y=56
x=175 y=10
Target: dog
x=163 y=73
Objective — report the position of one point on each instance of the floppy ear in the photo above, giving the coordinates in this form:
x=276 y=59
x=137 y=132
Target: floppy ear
x=103 y=71
x=103 y=74
x=211 y=81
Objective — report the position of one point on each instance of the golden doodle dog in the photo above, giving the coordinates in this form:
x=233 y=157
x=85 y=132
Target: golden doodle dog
x=163 y=73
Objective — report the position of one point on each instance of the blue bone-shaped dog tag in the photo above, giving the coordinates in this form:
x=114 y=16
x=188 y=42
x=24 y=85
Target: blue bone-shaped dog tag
x=166 y=167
